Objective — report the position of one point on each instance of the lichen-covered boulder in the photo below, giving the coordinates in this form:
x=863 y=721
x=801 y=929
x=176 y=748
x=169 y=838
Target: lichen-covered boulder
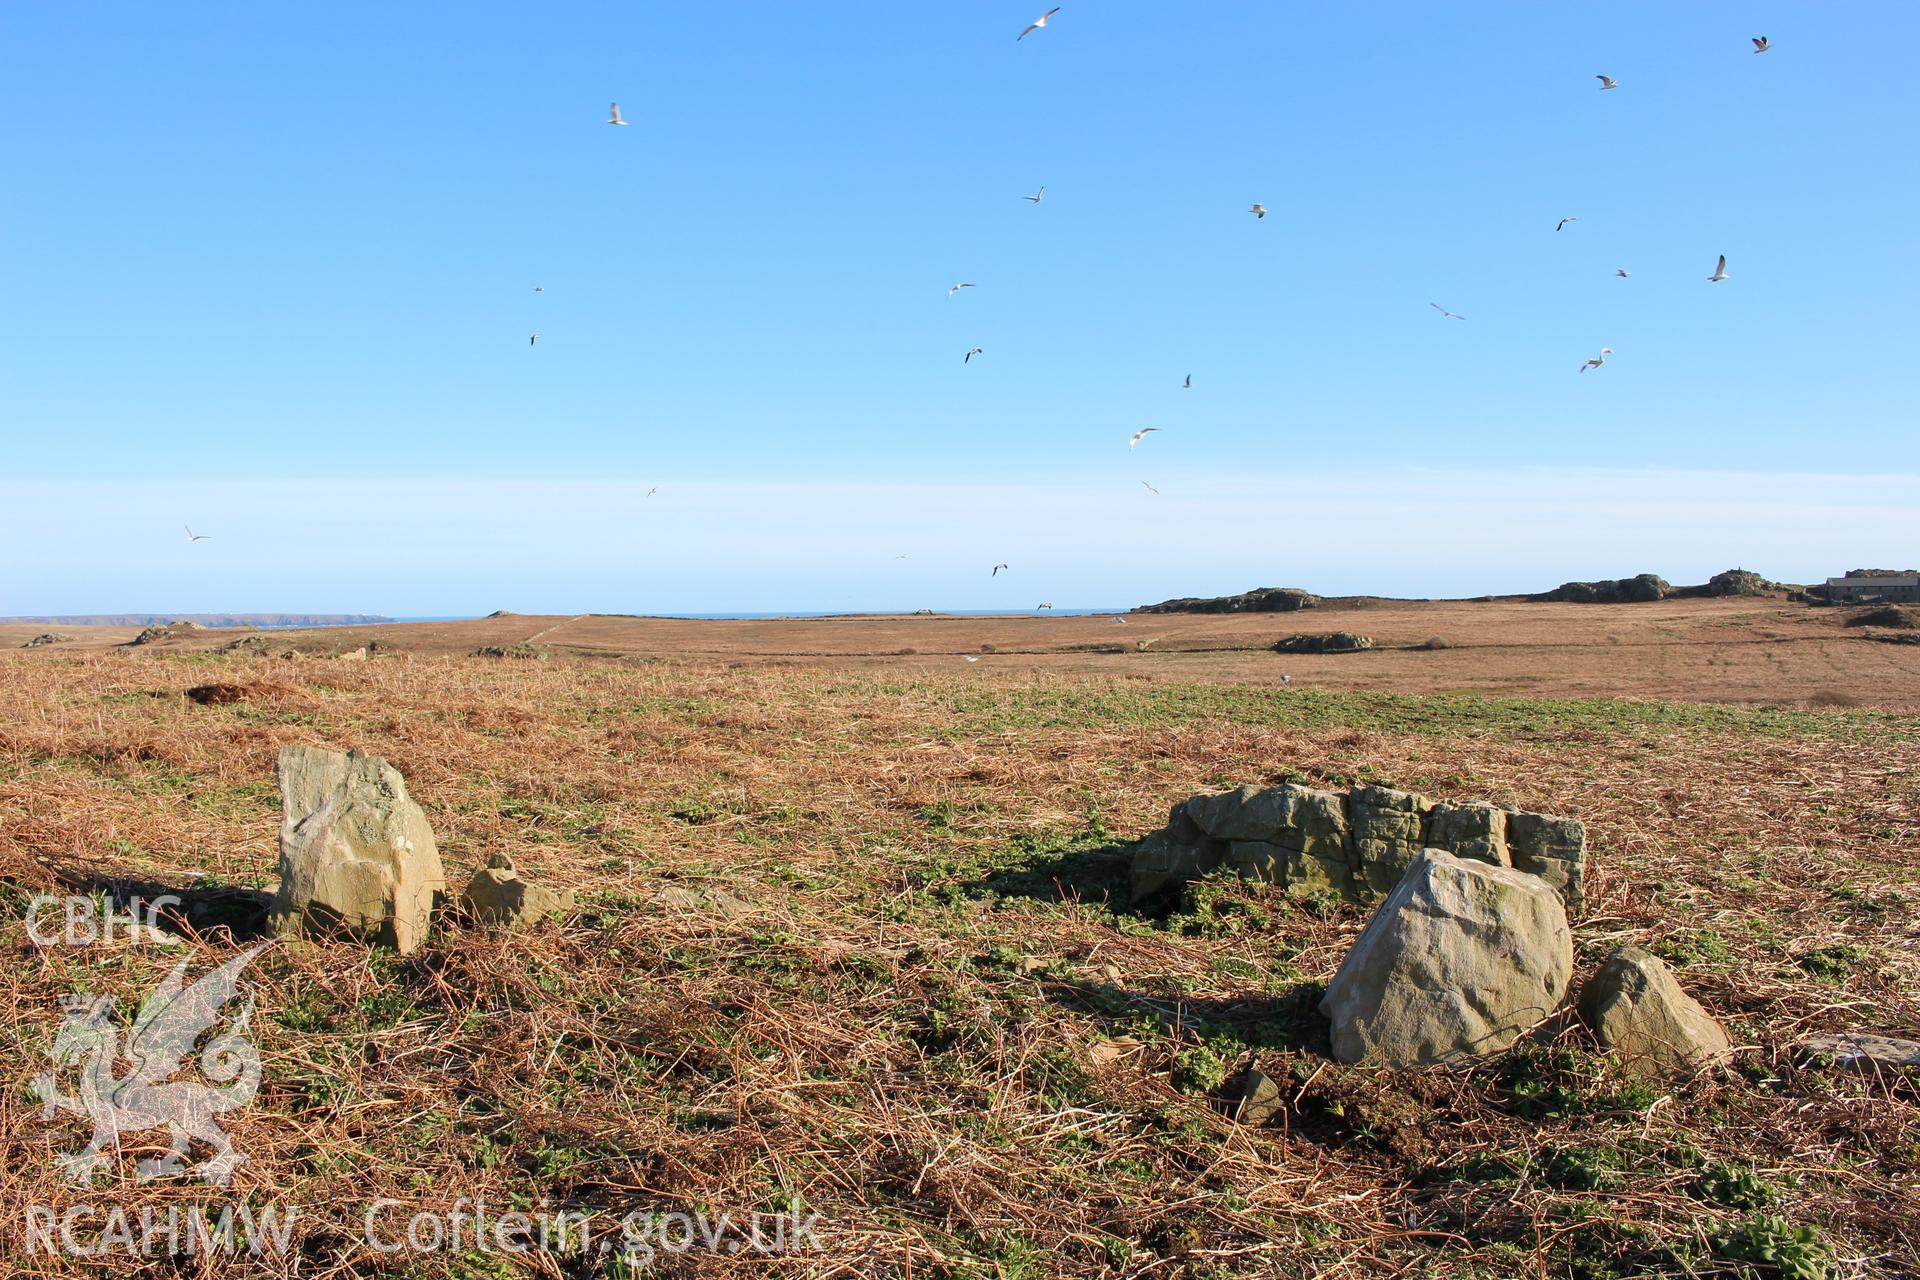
x=1461 y=958
x=498 y=895
x=356 y=855
x=1388 y=833
x=1639 y=1013
x=1555 y=849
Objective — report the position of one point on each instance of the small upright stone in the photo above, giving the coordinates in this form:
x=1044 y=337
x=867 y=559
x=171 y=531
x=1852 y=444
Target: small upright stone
x=1260 y=1098
x=497 y=895
x=1555 y=849
x=356 y=855
x=1459 y=960
x=1389 y=831
x=1639 y=1012
x=1474 y=830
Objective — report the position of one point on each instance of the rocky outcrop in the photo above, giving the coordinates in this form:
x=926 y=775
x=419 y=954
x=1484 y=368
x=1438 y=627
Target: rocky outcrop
x=165 y=631
x=498 y=895
x=1640 y=589
x=1357 y=843
x=1327 y=642
x=45 y=638
x=1738 y=582
x=356 y=855
x=1639 y=1013
x=1461 y=958
x=1260 y=600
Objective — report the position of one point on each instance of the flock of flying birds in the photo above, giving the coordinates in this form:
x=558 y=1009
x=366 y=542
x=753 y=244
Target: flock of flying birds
x=1761 y=44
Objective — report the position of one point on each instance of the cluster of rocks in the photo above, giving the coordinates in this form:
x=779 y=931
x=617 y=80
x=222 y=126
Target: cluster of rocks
x=1259 y=600
x=1644 y=588
x=1464 y=957
x=1324 y=642
x=269 y=646
x=1470 y=947
x=357 y=857
x=1358 y=843
x=526 y=652
x=46 y=637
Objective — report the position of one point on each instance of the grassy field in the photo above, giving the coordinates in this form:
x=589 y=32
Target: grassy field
x=853 y=938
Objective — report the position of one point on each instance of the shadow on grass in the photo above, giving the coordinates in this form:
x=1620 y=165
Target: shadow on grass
x=1091 y=875
x=1289 y=1020
x=198 y=910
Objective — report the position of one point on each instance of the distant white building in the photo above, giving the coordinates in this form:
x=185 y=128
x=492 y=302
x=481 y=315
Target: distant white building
x=1898 y=587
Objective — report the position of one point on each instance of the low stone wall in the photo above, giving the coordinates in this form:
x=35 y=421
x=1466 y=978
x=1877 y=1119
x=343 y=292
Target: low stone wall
x=1357 y=843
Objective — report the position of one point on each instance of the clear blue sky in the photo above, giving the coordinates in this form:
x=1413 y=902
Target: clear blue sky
x=269 y=270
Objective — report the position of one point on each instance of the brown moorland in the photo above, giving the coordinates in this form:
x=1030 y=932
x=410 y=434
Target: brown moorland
x=853 y=937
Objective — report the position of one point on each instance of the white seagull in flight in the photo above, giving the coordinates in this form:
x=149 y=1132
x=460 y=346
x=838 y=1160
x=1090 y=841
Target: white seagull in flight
x=977 y=351
x=533 y=339
x=1622 y=272
x=1443 y=311
x=613 y=115
x=1607 y=82
x=195 y=537
x=1564 y=222
x=1036 y=24
x=1259 y=210
x=957 y=288
x=1150 y=488
x=1719 y=272
x=1761 y=44
x=996 y=570
x=1140 y=435
x=1188 y=384
x=1598 y=360
x=1036 y=197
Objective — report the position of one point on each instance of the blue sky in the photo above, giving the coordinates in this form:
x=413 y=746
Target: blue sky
x=260 y=254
